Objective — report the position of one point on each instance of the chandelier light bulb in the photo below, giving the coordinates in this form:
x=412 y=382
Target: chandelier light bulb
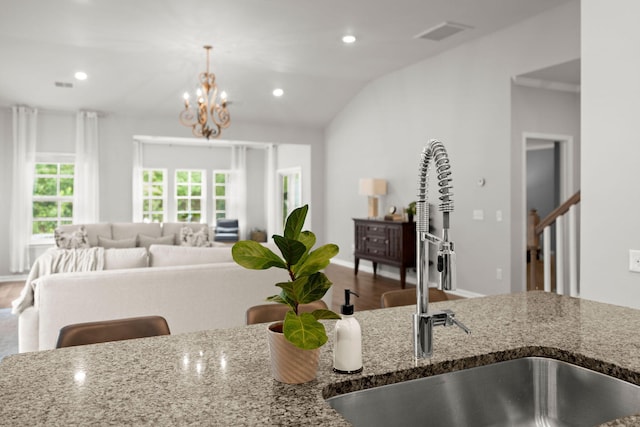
x=223 y=96
x=186 y=96
x=80 y=75
x=278 y=92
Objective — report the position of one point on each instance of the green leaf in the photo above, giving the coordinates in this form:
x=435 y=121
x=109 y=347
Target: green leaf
x=325 y=314
x=292 y=250
x=282 y=298
x=304 y=331
x=253 y=255
x=307 y=289
x=316 y=260
x=308 y=239
x=295 y=221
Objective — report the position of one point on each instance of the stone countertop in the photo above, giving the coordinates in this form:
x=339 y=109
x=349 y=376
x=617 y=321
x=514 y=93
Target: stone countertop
x=222 y=377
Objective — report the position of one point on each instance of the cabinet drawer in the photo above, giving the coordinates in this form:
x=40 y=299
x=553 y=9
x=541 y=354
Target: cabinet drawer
x=379 y=231
x=376 y=249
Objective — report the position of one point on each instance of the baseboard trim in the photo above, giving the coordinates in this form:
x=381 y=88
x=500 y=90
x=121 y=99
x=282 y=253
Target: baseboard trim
x=16 y=278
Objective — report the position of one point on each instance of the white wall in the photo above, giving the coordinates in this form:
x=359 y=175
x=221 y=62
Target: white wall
x=610 y=150
x=56 y=133
x=462 y=97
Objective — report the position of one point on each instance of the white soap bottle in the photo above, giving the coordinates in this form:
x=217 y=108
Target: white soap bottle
x=347 y=347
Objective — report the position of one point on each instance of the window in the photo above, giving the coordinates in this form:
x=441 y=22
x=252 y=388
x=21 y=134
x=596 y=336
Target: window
x=290 y=191
x=154 y=195
x=52 y=197
x=220 y=193
x=190 y=195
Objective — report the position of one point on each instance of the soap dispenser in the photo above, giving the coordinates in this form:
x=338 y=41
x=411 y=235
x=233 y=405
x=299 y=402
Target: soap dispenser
x=347 y=347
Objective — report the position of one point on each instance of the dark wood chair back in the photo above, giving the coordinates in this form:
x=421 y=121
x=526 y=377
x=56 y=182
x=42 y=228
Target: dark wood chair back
x=275 y=312
x=408 y=297
x=112 y=330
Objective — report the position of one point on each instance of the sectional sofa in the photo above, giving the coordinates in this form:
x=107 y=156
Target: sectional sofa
x=194 y=288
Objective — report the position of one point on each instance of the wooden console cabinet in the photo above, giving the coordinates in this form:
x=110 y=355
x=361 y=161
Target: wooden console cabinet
x=385 y=242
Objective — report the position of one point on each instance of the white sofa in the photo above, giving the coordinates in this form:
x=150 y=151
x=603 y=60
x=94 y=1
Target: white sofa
x=193 y=288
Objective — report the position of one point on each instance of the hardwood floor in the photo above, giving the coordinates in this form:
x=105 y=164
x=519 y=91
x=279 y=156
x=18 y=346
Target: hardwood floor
x=8 y=292
x=364 y=284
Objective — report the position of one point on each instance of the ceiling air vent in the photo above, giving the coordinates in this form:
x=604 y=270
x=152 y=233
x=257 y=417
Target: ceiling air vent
x=63 y=84
x=442 y=31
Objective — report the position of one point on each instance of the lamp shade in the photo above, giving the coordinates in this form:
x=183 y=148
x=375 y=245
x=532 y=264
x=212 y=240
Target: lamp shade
x=373 y=186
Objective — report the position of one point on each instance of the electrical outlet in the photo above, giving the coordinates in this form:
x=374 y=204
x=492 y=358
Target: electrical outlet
x=478 y=214
x=499 y=273
x=634 y=260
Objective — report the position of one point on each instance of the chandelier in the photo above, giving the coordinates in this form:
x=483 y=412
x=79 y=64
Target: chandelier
x=209 y=117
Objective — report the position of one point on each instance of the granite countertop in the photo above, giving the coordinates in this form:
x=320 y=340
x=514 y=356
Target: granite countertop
x=221 y=377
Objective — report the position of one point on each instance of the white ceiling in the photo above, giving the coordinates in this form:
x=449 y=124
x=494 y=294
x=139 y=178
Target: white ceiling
x=141 y=55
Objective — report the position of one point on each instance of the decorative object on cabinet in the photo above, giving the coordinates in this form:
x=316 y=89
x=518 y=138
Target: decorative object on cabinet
x=385 y=242
x=295 y=342
x=411 y=211
x=373 y=187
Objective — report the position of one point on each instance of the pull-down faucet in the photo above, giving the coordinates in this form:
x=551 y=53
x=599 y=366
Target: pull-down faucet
x=423 y=321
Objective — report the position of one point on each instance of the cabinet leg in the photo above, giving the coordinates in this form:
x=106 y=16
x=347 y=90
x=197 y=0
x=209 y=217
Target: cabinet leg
x=403 y=277
x=375 y=268
x=355 y=266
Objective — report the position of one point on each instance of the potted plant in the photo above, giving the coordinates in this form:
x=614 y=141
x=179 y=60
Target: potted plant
x=411 y=211
x=299 y=335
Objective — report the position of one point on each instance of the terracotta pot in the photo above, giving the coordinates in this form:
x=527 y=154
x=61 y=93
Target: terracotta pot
x=290 y=364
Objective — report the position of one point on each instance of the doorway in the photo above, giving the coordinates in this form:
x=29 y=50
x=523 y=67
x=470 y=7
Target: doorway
x=548 y=170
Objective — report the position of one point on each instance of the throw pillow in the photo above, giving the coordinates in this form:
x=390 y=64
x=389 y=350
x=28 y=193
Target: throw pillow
x=116 y=244
x=146 y=241
x=117 y=259
x=199 y=238
x=72 y=240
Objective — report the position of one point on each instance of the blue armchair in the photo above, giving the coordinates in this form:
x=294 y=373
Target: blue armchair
x=226 y=230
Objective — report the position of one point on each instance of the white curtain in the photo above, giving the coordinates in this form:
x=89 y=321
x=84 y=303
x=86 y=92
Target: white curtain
x=271 y=190
x=136 y=180
x=238 y=189
x=86 y=191
x=24 y=151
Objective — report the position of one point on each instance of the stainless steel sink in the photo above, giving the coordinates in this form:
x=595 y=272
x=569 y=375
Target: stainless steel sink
x=532 y=391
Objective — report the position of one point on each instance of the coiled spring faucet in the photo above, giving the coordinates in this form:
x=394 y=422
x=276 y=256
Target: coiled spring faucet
x=423 y=320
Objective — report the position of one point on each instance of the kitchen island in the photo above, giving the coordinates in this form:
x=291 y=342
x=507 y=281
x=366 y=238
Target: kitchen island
x=221 y=377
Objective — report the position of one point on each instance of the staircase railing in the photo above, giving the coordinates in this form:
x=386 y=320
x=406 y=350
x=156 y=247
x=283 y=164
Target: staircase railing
x=566 y=247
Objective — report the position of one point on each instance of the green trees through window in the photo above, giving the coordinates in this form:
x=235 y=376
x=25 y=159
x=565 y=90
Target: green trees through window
x=154 y=195
x=52 y=197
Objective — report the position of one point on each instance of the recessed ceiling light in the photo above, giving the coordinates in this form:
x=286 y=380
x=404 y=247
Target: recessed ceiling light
x=348 y=39
x=278 y=92
x=80 y=75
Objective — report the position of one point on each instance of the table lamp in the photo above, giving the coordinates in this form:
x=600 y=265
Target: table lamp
x=373 y=187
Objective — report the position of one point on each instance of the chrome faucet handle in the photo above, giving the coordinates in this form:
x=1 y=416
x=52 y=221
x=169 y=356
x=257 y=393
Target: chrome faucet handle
x=451 y=320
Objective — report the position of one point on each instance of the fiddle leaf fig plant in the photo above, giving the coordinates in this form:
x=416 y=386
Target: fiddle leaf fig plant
x=307 y=282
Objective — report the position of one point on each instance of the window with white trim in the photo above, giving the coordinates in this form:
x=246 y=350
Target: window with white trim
x=52 y=202
x=290 y=188
x=190 y=195
x=220 y=193
x=154 y=195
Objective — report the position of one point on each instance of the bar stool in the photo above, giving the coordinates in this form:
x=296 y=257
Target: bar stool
x=408 y=297
x=112 y=330
x=274 y=312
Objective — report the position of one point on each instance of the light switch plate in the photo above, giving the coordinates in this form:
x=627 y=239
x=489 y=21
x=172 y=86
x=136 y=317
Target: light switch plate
x=478 y=214
x=634 y=260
